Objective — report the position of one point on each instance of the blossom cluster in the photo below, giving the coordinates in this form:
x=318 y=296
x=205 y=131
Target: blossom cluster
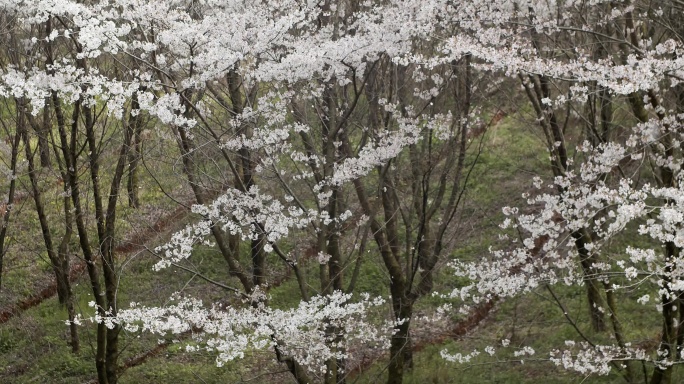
x=317 y=330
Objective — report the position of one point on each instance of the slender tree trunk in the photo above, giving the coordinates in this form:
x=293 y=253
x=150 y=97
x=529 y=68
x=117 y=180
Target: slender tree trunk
x=69 y=151
x=63 y=254
x=43 y=132
x=591 y=280
x=246 y=182
x=134 y=156
x=556 y=144
x=65 y=268
x=258 y=260
x=668 y=342
x=6 y=210
x=618 y=331
x=401 y=341
x=235 y=269
x=59 y=259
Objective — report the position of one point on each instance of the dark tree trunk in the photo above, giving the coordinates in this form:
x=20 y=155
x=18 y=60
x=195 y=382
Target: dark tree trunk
x=59 y=258
x=400 y=343
x=43 y=133
x=134 y=157
x=591 y=280
x=69 y=152
x=7 y=208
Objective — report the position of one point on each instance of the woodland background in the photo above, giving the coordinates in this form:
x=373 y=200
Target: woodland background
x=505 y=175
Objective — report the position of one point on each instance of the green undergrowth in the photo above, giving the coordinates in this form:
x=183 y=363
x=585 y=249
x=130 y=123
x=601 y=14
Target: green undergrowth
x=533 y=320
x=33 y=346
x=504 y=171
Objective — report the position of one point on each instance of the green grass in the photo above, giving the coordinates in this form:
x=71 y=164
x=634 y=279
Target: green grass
x=511 y=157
x=33 y=346
x=531 y=320
x=534 y=319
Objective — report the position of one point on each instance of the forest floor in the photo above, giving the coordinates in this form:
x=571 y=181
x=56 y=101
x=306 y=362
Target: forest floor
x=33 y=336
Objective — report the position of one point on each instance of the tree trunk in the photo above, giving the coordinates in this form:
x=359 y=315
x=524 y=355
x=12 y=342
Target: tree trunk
x=400 y=342
x=595 y=300
x=618 y=331
x=69 y=151
x=186 y=148
x=668 y=342
x=6 y=212
x=59 y=259
x=134 y=156
x=43 y=132
x=559 y=164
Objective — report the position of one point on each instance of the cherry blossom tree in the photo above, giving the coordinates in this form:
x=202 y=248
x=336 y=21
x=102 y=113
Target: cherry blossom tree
x=617 y=182
x=56 y=72
x=322 y=124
